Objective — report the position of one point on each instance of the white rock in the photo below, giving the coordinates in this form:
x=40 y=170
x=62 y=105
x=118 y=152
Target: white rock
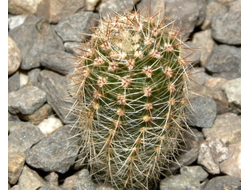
x=90 y=4
x=15 y=21
x=23 y=78
x=47 y=126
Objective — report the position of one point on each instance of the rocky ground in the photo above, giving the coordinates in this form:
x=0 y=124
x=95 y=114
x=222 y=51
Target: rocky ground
x=43 y=39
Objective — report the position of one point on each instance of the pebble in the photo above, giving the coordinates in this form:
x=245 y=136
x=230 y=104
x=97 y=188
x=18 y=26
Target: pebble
x=235 y=6
x=48 y=126
x=223 y=182
x=227 y=127
x=56 y=152
x=16 y=21
x=13 y=82
x=197 y=172
x=14 y=56
x=211 y=153
x=21 y=101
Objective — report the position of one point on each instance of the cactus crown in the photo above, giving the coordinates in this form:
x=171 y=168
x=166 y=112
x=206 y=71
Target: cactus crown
x=130 y=93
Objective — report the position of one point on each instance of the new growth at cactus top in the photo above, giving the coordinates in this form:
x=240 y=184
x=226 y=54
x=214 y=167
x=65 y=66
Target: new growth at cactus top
x=130 y=92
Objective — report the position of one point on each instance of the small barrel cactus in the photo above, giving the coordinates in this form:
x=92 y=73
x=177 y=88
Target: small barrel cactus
x=130 y=91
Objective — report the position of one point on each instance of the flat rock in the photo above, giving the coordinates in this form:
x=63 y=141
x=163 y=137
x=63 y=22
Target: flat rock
x=204 y=112
x=25 y=7
x=56 y=152
x=56 y=10
x=56 y=87
x=223 y=182
x=232 y=89
x=180 y=182
x=225 y=62
x=30 y=180
x=232 y=166
x=26 y=100
x=226 y=28
x=71 y=28
x=58 y=61
x=13 y=82
x=197 y=172
x=14 y=56
x=39 y=37
x=227 y=127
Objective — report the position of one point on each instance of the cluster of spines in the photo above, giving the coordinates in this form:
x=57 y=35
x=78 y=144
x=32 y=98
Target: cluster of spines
x=130 y=94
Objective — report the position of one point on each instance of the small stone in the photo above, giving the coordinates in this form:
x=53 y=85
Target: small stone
x=211 y=153
x=33 y=75
x=225 y=62
x=226 y=28
x=104 y=187
x=84 y=181
x=69 y=182
x=205 y=44
x=232 y=166
x=16 y=21
x=56 y=10
x=227 y=127
x=204 y=112
x=48 y=126
x=14 y=56
x=13 y=82
x=232 y=89
x=197 y=172
x=25 y=7
x=91 y=4
x=52 y=182
x=197 y=77
x=191 y=52
x=26 y=100
x=58 y=61
x=180 y=182
x=215 y=82
x=71 y=28
x=15 y=166
x=56 y=152
x=223 y=182
x=30 y=180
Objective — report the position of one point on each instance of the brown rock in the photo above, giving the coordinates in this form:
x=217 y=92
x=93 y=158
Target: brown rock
x=215 y=82
x=17 y=7
x=14 y=56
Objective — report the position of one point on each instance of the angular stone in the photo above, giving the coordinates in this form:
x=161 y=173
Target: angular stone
x=52 y=182
x=227 y=127
x=17 y=124
x=204 y=43
x=225 y=62
x=211 y=153
x=58 y=61
x=232 y=166
x=25 y=7
x=197 y=172
x=15 y=21
x=26 y=100
x=232 y=89
x=56 y=152
x=30 y=180
x=14 y=56
x=193 y=138
x=180 y=182
x=203 y=113
x=226 y=28
x=56 y=87
x=223 y=182
x=15 y=166
x=39 y=37
x=39 y=115
x=13 y=82
x=73 y=27
x=91 y=4
x=56 y=10
x=104 y=187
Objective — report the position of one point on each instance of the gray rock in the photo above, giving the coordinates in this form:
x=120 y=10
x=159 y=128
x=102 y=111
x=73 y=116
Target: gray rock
x=211 y=153
x=17 y=124
x=33 y=75
x=15 y=166
x=56 y=152
x=191 y=52
x=187 y=15
x=226 y=28
x=193 y=138
x=52 y=182
x=111 y=7
x=235 y=6
x=26 y=100
x=197 y=172
x=14 y=56
x=227 y=127
x=13 y=82
x=223 y=182
x=232 y=166
x=16 y=21
x=232 y=89
x=180 y=182
x=204 y=43
x=25 y=7
x=73 y=47
x=39 y=37
x=30 y=180
x=84 y=181
x=204 y=112
x=225 y=62
x=71 y=28
x=58 y=61
x=213 y=8
x=56 y=87
x=23 y=138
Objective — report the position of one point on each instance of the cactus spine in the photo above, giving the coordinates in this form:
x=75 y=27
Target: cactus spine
x=130 y=91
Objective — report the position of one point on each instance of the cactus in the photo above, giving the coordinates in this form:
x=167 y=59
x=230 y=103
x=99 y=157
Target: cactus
x=130 y=93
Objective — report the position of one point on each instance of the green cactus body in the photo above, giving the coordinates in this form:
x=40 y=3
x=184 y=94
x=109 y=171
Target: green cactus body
x=130 y=94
